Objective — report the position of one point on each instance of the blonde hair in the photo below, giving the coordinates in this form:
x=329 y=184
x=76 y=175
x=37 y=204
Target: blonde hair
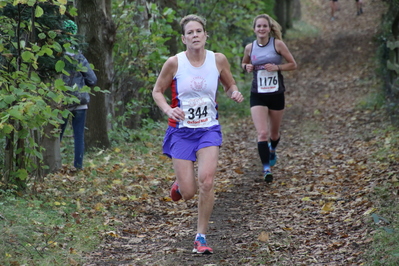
x=192 y=17
x=275 y=28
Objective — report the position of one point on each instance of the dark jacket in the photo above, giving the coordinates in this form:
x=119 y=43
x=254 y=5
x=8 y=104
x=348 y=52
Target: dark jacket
x=81 y=78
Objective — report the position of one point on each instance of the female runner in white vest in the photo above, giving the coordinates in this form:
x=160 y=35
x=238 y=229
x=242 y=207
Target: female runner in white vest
x=194 y=132
x=264 y=58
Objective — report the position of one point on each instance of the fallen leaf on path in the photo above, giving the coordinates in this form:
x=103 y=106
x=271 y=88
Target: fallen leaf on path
x=264 y=236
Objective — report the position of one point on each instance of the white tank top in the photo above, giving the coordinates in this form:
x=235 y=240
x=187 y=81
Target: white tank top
x=194 y=91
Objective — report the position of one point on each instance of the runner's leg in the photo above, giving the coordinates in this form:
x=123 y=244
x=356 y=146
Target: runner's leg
x=261 y=121
x=275 y=122
x=184 y=170
x=207 y=164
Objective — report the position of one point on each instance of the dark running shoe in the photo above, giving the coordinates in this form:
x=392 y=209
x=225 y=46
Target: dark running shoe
x=273 y=156
x=268 y=176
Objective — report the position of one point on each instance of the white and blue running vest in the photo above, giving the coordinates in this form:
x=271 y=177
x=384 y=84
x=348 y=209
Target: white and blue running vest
x=194 y=91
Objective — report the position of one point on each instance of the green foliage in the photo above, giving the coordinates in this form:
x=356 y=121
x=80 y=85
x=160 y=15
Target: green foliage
x=31 y=31
x=67 y=216
x=32 y=93
x=374 y=101
x=144 y=45
x=145 y=133
x=45 y=231
x=140 y=48
x=300 y=30
x=384 y=250
x=387 y=56
x=138 y=58
x=229 y=23
x=229 y=108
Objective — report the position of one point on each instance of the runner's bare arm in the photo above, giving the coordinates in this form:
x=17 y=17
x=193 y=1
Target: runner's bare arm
x=162 y=84
x=246 y=60
x=290 y=63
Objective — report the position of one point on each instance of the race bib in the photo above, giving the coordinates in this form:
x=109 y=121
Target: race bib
x=267 y=81
x=198 y=112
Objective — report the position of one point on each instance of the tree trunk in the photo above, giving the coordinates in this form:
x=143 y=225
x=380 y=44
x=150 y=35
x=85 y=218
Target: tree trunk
x=280 y=11
x=286 y=11
x=52 y=153
x=8 y=159
x=392 y=79
x=95 y=23
x=296 y=10
x=288 y=14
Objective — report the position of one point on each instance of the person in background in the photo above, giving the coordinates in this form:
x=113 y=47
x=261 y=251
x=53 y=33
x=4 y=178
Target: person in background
x=264 y=58
x=194 y=132
x=79 y=77
x=334 y=8
x=359 y=7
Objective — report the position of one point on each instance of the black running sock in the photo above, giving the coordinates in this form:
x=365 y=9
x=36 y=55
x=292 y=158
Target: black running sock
x=274 y=143
x=264 y=153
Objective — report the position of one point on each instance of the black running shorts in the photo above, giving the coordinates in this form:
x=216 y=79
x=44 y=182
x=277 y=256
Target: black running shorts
x=274 y=102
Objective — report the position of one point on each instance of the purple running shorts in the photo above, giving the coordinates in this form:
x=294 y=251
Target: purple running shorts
x=183 y=143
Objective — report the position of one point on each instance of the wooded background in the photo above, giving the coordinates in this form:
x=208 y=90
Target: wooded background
x=127 y=42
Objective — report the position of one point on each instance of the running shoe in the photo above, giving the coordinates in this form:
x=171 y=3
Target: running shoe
x=268 y=176
x=174 y=192
x=201 y=247
x=273 y=156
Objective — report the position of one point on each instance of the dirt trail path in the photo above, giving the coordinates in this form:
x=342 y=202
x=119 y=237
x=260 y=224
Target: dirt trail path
x=314 y=212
